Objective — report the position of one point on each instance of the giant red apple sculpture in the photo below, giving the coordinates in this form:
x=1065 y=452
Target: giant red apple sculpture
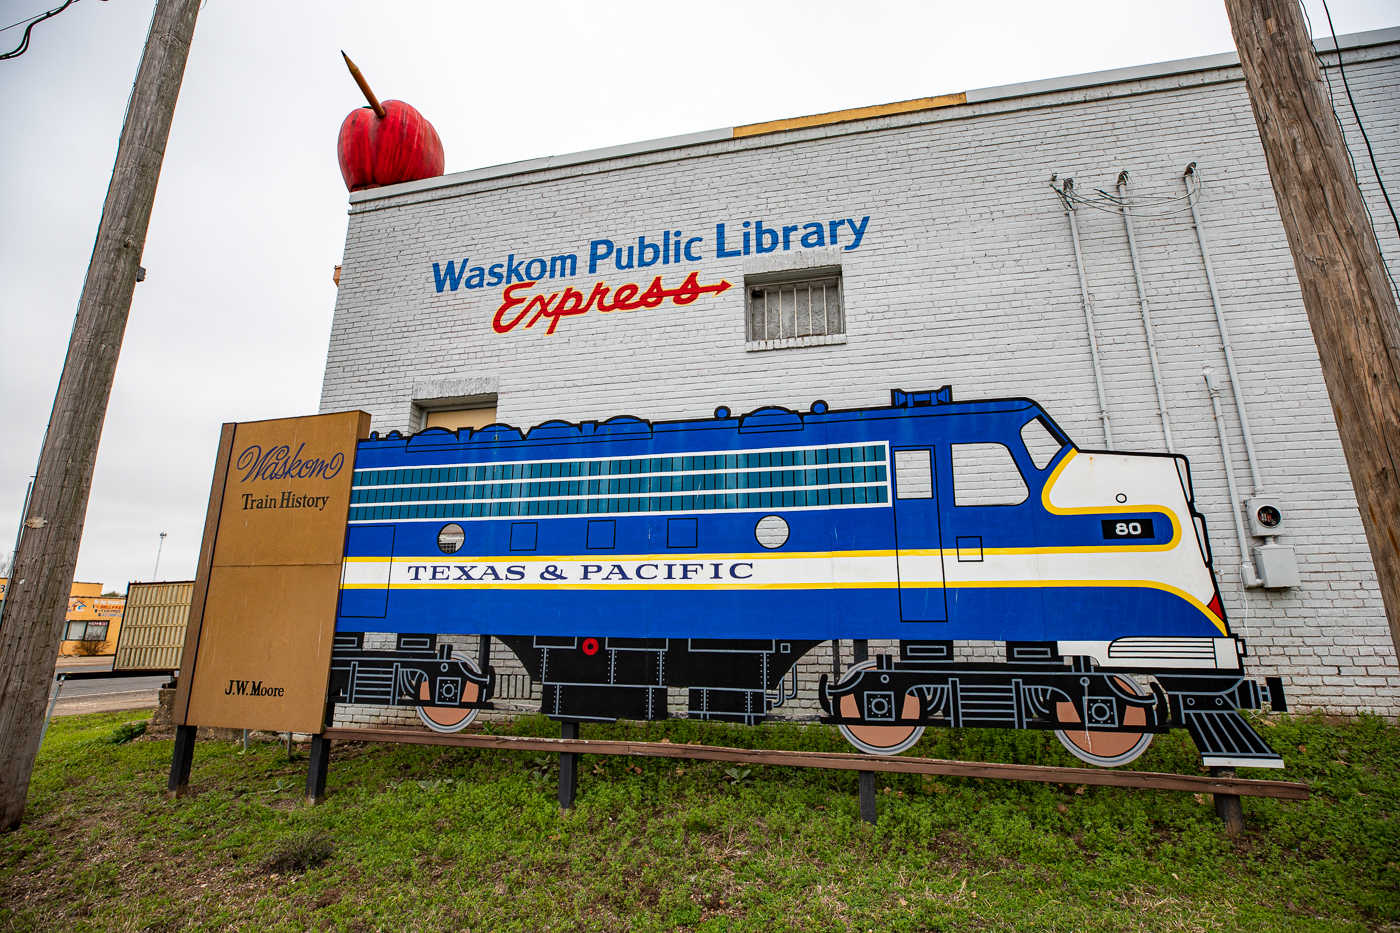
x=385 y=144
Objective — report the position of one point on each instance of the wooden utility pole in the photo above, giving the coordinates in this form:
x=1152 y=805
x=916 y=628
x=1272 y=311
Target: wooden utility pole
x=42 y=576
x=1348 y=299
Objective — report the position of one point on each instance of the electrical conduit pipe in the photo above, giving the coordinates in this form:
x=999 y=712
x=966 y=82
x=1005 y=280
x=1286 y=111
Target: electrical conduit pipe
x=1247 y=573
x=1146 y=313
x=1191 y=199
x=1088 y=310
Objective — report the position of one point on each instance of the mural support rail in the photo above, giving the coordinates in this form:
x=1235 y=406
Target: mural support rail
x=1224 y=785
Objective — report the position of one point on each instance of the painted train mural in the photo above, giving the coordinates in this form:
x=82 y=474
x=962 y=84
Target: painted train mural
x=621 y=558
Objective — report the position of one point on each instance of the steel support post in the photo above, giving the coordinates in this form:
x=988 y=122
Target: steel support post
x=568 y=767
x=181 y=759
x=319 y=763
x=867 y=797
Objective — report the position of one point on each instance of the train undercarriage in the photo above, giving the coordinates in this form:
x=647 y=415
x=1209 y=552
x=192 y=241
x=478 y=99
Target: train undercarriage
x=1103 y=715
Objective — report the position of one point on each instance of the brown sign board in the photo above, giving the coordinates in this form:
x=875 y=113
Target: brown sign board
x=262 y=618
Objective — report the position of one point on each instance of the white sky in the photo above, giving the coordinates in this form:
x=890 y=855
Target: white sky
x=233 y=319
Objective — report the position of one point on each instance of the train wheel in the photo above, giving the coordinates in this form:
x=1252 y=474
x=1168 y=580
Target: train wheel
x=446 y=718
x=449 y=718
x=880 y=740
x=1101 y=748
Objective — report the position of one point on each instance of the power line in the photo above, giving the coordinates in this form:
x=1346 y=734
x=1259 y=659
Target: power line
x=21 y=22
x=1112 y=204
x=32 y=21
x=1346 y=144
x=1341 y=69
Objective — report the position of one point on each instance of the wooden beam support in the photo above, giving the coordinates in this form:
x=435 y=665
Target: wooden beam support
x=1348 y=299
x=1147 y=780
x=32 y=615
x=1228 y=806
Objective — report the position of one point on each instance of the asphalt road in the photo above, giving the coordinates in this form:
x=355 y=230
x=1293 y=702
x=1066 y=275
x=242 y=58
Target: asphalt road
x=107 y=694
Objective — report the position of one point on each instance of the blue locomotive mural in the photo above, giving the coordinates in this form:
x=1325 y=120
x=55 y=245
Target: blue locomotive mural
x=618 y=559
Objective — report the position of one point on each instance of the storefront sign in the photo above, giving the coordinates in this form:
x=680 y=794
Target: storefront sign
x=263 y=614
x=570 y=301
x=521 y=276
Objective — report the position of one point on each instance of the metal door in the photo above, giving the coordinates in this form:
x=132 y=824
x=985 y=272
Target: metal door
x=918 y=542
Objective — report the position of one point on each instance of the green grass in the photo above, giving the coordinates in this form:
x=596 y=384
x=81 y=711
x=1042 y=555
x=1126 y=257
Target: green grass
x=422 y=838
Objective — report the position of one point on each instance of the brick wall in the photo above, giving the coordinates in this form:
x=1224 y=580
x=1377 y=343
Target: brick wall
x=966 y=275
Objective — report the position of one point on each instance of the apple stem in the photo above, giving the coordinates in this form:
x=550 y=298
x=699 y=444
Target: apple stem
x=364 y=87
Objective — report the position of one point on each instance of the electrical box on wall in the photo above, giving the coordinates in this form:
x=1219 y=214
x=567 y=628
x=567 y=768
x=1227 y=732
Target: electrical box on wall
x=1276 y=566
x=1265 y=516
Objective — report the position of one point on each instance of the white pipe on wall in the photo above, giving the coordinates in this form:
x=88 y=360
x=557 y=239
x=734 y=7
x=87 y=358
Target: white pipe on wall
x=1247 y=573
x=1146 y=312
x=1088 y=312
x=1191 y=198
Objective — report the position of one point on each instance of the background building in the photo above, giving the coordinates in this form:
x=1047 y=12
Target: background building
x=911 y=246
x=93 y=622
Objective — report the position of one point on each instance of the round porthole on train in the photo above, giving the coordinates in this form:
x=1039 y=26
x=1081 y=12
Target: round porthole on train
x=451 y=538
x=771 y=531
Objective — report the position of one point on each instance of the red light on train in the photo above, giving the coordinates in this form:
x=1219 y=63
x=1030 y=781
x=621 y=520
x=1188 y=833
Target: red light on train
x=1216 y=609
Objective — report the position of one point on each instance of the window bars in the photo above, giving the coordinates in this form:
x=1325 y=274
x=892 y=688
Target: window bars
x=795 y=309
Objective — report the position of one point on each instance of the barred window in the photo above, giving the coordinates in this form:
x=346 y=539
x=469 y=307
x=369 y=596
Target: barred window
x=794 y=312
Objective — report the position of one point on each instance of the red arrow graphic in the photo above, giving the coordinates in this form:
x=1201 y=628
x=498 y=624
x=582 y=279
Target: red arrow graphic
x=627 y=297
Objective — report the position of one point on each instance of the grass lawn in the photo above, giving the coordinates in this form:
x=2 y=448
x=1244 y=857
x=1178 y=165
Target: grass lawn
x=421 y=838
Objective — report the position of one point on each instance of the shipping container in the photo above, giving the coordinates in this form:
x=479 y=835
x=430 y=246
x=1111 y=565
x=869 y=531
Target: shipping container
x=153 y=626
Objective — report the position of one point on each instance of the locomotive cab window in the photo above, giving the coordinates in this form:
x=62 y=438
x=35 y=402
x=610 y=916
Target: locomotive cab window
x=913 y=474
x=986 y=474
x=1041 y=443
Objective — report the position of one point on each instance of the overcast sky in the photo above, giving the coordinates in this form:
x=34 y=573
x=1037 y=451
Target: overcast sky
x=233 y=319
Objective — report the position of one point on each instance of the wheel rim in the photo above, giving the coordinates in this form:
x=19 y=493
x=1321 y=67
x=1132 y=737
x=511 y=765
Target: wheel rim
x=450 y=718
x=446 y=718
x=880 y=740
x=1106 y=749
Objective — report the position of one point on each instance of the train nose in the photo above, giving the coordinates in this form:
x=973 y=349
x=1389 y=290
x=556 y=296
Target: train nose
x=1116 y=480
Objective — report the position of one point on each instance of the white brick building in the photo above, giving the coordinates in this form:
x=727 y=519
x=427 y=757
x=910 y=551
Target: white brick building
x=956 y=266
